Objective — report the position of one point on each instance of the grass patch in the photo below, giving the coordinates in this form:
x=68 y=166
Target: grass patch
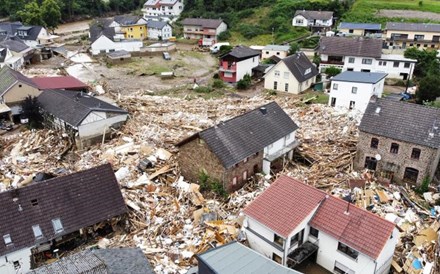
x=194 y=54
x=321 y=98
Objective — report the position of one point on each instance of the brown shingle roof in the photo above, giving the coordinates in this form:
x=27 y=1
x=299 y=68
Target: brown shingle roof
x=79 y=200
x=345 y=46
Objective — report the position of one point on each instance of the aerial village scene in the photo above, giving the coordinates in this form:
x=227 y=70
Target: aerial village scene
x=219 y=136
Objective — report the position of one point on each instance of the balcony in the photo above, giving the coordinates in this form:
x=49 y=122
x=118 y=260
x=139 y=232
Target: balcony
x=209 y=32
x=227 y=68
x=275 y=155
x=301 y=253
x=191 y=31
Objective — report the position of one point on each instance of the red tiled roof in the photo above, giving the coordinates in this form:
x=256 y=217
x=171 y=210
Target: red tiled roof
x=359 y=229
x=287 y=202
x=58 y=82
x=284 y=205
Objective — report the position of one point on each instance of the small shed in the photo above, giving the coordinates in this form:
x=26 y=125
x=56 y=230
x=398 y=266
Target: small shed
x=118 y=57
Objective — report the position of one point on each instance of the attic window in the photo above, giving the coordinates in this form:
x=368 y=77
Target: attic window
x=34 y=202
x=57 y=226
x=308 y=71
x=7 y=239
x=37 y=232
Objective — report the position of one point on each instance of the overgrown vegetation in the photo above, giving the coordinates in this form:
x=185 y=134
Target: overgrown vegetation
x=332 y=71
x=424 y=186
x=209 y=184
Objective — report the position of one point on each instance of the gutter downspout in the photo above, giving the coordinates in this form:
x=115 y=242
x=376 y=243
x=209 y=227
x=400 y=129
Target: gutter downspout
x=375 y=266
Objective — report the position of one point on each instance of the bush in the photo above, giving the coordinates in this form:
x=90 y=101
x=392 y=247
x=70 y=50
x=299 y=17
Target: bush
x=224 y=49
x=424 y=186
x=216 y=76
x=208 y=184
x=332 y=71
x=250 y=31
x=245 y=82
x=202 y=89
x=223 y=36
x=218 y=84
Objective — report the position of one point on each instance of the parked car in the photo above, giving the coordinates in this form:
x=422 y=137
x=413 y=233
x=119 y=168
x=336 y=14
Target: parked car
x=166 y=55
x=216 y=47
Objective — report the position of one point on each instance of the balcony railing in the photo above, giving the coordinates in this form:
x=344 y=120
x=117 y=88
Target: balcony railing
x=301 y=253
x=228 y=68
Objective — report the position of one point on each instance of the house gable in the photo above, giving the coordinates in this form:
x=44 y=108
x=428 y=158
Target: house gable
x=19 y=91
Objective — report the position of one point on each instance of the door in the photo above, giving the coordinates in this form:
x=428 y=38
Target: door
x=301 y=237
x=333 y=102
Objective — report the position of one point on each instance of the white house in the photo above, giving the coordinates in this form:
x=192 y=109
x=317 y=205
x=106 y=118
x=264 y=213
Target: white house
x=291 y=221
x=85 y=117
x=312 y=18
x=33 y=36
x=362 y=54
x=235 y=64
x=352 y=90
x=104 y=40
x=293 y=74
x=206 y=30
x=159 y=30
x=166 y=9
x=274 y=50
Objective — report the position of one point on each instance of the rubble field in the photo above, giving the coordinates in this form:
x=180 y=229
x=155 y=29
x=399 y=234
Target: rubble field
x=171 y=220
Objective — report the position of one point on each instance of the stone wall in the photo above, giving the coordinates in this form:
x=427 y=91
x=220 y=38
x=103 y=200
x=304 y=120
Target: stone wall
x=426 y=164
x=253 y=163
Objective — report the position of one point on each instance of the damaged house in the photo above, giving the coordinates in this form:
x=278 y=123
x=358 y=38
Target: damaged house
x=85 y=117
x=399 y=141
x=292 y=222
x=50 y=214
x=233 y=150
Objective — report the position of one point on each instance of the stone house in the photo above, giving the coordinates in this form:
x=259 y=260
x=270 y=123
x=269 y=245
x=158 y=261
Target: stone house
x=232 y=151
x=293 y=223
x=399 y=140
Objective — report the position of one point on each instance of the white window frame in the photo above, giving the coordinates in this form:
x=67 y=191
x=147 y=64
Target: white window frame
x=335 y=86
x=286 y=75
x=367 y=61
x=351 y=60
x=37 y=231
x=7 y=239
x=57 y=225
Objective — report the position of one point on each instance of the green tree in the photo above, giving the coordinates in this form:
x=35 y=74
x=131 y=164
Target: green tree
x=31 y=14
x=332 y=71
x=427 y=62
x=429 y=88
x=245 y=82
x=51 y=13
x=30 y=109
x=294 y=48
x=224 y=35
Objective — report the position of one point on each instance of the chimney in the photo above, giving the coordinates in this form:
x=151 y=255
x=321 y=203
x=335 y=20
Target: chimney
x=263 y=110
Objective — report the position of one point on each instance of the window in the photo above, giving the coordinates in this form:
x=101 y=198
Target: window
x=374 y=143
x=275 y=85
x=278 y=53
x=286 y=75
x=411 y=175
x=415 y=154
x=19 y=85
x=267 y=52
x=37 y=231
x=314 y=232
x=335 y=86
x=294 y=239
x=394 y=148
x=286 y=87
x=17 y=265
x=277 y=73
x=140 y=27
x=278 y=240
x=57 y=226
x=253 y=58
x=370 y=163
x=382 y=63
x=396 y=64
x=299 y=21
x=7 y=239
x=234 y=181
x=350 y=31
x=34 y=202
x=419 y=37
x=307 y=71
x=245 y=173
x=276 y=258
x=348 y=250
x=351 y=105
x=351 y=60
x=333 y=102
x=367 y=61
x=342 y=269
x=354 y=90
x=407 y=64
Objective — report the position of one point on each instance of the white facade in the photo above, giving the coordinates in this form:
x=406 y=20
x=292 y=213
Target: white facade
x=301 y=21
x=166 y=32
x=103 y=45
x=267 y=53
x=97 y=123
x=245 y=67
x=16 y=262
x=208 y=35
x=163 y=8
x=277 y=149
x=280 y=78
x=354 y=95
x=396 y=66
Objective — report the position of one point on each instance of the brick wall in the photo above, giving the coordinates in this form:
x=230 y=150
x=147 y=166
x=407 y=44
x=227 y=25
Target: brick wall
x=426 y=164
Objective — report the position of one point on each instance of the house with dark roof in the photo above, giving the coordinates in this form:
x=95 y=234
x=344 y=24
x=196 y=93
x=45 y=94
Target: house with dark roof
x=59 y=82
x=159 y=30
x=352 y=90
x=400 y=141
x=100 y=261
x=14 y=88
x=204 y=30
x=43 y=215
x=292 y=222
x=32 y=36
x=293 y=74
x=360 y=29
x=232 y=151
x=235 y=64
x=85 y=118
x=104 y=38
x=162 y=10
x=404 y=35
x=18 y=52
x=234 y=257
x=317 y=20
x=362 y=54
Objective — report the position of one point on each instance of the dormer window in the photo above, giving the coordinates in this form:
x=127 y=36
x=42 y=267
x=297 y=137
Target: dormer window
x=37 y=232
x=57 y=226
x=7 y=239
x=22 y=33
x=308 y=71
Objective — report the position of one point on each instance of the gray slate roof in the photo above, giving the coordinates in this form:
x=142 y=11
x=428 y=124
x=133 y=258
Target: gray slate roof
x=315 y=14
x=156 y=24
x=298 y=63
x=413 y=27
x=12 y=29
x=241 y=52
x=73 y=107
x=100 y=261
x=80 y=199
x=237 y=258
x=101 y=27
x=402 y=121
x=347 y=46
x=205 y=23
x=9 y=77
x=240 y=137
x=119 y=54
x=360 y=77
x=365 y=26
x=14 y=45
x=277 y=47
x=127 y=19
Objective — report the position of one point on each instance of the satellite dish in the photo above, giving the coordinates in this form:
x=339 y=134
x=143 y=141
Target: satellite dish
x=378 y=157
